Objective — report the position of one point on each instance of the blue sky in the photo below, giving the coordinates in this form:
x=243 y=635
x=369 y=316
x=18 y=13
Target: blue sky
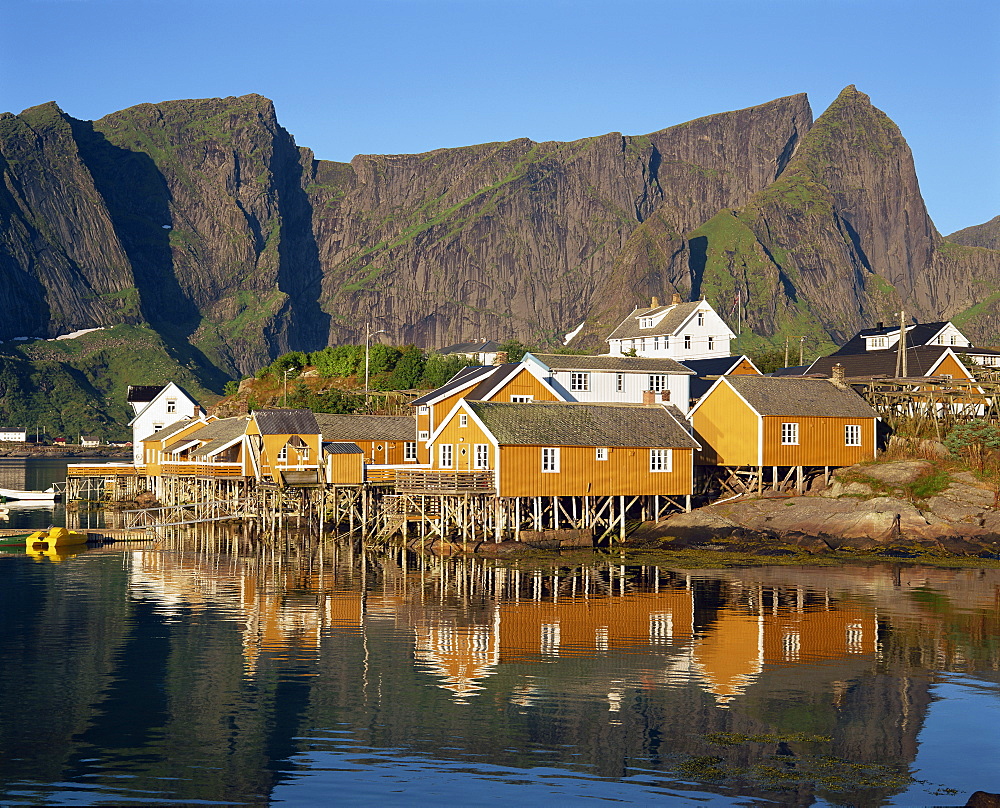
x=400 y=76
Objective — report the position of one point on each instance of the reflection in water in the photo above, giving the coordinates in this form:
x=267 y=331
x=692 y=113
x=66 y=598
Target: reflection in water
x=211 y=667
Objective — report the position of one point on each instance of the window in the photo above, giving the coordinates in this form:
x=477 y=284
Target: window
x=880 y=342
x=642 y=344
x=579 y=382
x=303 y=453
x=701 y=318
x=620 y=382
x=482 y=458
x=789 y=434
x=445 y=455
x=157 y=427
x=423 y=434
x=656 y=343
x=687 y=342
x=409 y=451
x=601 y=453
x=423 y=409
x=660 y=459
x=666 y=343
x=852 y=435
x=711 y=343
x=645 y=322
x=657 y=382
x=550 y=459
x=463 y=420
x=171 y=405
x=283 y=454
x=954 y=340
x=522 y=399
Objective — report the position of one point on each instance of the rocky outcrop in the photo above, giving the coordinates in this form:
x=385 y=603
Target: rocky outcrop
x=986 y=235
x=866 y=507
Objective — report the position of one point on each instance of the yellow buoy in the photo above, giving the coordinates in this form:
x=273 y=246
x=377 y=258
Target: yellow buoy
x=54 y=537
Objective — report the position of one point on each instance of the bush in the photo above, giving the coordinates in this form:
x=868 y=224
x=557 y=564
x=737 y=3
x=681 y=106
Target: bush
x=338 y=361
x=974 y=441
x=232 y=388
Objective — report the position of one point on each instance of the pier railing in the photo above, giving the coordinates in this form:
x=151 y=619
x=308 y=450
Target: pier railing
x=445 y=482
x=103 y=470
x=189 y=469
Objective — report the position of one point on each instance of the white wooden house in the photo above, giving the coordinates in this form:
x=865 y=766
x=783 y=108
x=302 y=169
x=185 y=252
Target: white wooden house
x=613 y=379
x=155 y=410
x=12 y=434
x=676 y=331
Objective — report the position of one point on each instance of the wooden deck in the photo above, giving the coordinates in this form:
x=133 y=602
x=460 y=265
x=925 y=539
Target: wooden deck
x=445 y=482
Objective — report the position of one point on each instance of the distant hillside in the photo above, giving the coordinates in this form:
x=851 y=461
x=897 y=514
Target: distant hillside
x=979 y=235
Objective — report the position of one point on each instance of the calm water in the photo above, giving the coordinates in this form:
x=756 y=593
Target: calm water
x=217 y=672
x=30 y=474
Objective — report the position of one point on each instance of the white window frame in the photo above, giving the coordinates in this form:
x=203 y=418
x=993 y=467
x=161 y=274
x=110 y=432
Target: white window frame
x=423 y=409
x=645 y=322
x=701 y=318
x=687 y=342
x=656 y=343
x=661 y=460
x=658 y=382
x=852 y=434
x=619 y=382
x=409 y=451
x=790 y=434
x=303 y=453
x=521 y=399
x=481 y=456
x=463 y=420
x=283 y=454
x=579 y=381
x=711 y=343
x=423 y=434
x=550 y=459
x=601 y=453
x=171 y=405
x=446 y=456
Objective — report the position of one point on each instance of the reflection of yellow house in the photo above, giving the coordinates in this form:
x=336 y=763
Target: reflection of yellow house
x=459 y=655
x=631 y=622
x=734 y=649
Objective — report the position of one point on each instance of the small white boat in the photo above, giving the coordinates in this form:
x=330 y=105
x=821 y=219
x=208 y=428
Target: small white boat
x=49 y=495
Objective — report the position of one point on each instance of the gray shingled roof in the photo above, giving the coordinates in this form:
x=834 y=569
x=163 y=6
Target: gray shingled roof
x=464 y=377
x=366 y=427
x=677 y=313
x=565 y=424
x=286 y=422
x=919 y=361
x=218 y=434
x=777 y=395
x=620 y=364
x=341 y=448
x=170 y=429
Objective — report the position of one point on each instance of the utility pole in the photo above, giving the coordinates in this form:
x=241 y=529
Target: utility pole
x=901 y=368
x=802 y=349
x=786 y=352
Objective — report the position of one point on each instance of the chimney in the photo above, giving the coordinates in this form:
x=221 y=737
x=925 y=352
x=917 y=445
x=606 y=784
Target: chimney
x=664 y=395
x=675 y=299
x=501 y=358
x=648 y=398
x=838 y=376
x=654 y=303
x=880 y=325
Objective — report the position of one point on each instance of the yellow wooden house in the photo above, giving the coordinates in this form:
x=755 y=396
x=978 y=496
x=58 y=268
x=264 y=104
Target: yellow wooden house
x=761 y=421
x=385 y=440
x=568 y=449
x=284 y=446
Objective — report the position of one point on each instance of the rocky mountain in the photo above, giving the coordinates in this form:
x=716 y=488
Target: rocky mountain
x=986 y=235
x=205 y=222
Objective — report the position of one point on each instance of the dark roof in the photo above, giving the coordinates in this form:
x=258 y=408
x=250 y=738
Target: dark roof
x=676 y=314
x=286 y=422
x=920 y=334
x=626 y=364
x=919 y=361
x=567 y=424
x=366 y=427
x=481 y=346
x=500 y=375
x=795 y=370
x=341 y=448
x=177 y=444
x=770 y=395
x=142 y=393
x=464 y=378
x=703 y=368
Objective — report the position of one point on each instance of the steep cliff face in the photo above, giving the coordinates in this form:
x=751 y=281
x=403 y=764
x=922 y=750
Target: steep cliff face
x=517 y=238
x=204 y=220
x=841 y=238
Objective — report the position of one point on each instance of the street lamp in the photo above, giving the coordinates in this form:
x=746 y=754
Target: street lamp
x=285 y=382
x=368 y=336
